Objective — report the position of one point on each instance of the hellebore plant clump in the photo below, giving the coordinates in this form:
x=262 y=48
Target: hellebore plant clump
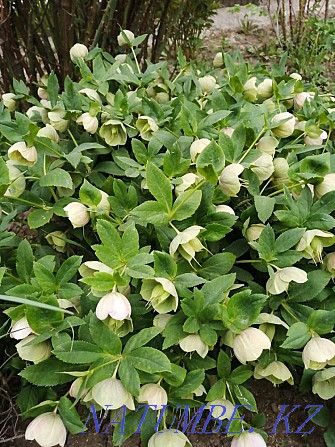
x=185 y=241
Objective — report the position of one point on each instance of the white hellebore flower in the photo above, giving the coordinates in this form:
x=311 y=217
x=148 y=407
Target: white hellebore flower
x=318 y=353
x=115 y=305
x=276 y=372
x=47 y=430
x=91 y=94
x=147 y=126
x=57 y=120
x=161 y=294
x=37 y=114
x=161 y=320
x=125 y=37
x=114 y=133
x=285 y=129
x=75 y=387
x=193 y=343
x=207 y=84
x=224 y=209
x=280 y=281
x=187 y=243
x=78 y=51
x=187 y=180
x=42 y=93
x=218 y=412
x=33 y=353
x=324 y=383
x=21 y=329
x=9 y=101
x=296 y=76
x=312 y=242
x=265 y=89
x=316 y=141
x=280 y=174
x=58 y=240
x=77 y=213
x=88 y=268
x=112 y=392
x=121 y=58
x=249 y=344
x=263 y=167
x=228 y=131
x=268 y=145
x=329 y=263
x=169 y=438
x=229 y=181
x=218 y=60
x=23 y=155
x=90 y=123
x=153 y=394
x=254 y=232
x=247 y=439
x=197 y=147
x=250 y=89
x=17 y=181
x=300 y=98
x=327 y=185
x=48 y=132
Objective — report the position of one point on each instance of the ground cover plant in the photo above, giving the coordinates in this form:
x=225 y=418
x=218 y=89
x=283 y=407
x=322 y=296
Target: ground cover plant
x=181 y=242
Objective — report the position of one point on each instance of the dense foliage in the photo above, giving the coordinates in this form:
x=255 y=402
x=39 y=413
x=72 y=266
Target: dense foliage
x=181 y=227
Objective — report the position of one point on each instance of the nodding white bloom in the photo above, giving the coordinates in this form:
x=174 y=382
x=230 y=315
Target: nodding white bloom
x=263 y=167
x=197 y=147
x=207 y=84
x=91 y=94
x=47 y=430
x=153 y=394
x=23 y=155
x=75 y=387
x=327 y=185
x=147 y=126
x=316 y=141
x=199 y=391
x=224 y=209
x=270 y=106
x=17 y=181
x=33 y=353
x=254 y=231
x=57 y=120
x=265 y=88
x=296 y=76
x=121 y=58
x=229 y=181
x=42 y=93
x=78 y=51
x=48 y=132
x=247 y=439
x=300 y=98
x=58 y=240
x=21 y=329
x=112 y=392
x=280 y=173
x=115 y=305
x=161 y=320
x=324 y=383
x=90 y=123
x=160 y=293
x=318 y=353
x=187 y=181
x=187 y=243
x=228 y=131
x=300 y=125
x=312 y=242
x=249 y=344
x=219 y=412
x=250 y=89
x=114 y=133
x=88 y=268
x=280 y=281
x=276 y=372
x=104 y=204
x=218 y=60
x=162 y=97
x=268 y=145
x=193 y=343
x=125 y=37
x=285 y=129
x=169 y=438
x=77 y=213
x=9 y=101
x=329 y=263
x=37 y=114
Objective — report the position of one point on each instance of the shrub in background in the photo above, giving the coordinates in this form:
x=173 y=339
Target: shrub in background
x=185 y=224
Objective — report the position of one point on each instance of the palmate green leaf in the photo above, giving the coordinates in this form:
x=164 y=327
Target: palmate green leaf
x=39 y=217
x=57 y=177
x=288 y=239
x=78 y=352
x=245 y=397
x=321 y=321
x=159 y=186
x=4 y=177
x=141 y=338
x=89 y=194
x=44 y=277
x=297 y=336
x=152 y=212
x=41 y=320
x=164 y=265
x=217 y=265
x=264 y=207
x=104 y=337
x=243 y=309
x=149 y=360
x=129 y=377
x=68 y=269
x=53 y=88
x=192 y=381
x=186 y=205
x=101 y=281
x=176 y=376
x=211 y=162
x=317 y=281
x=24 y=260
x=70 y=416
